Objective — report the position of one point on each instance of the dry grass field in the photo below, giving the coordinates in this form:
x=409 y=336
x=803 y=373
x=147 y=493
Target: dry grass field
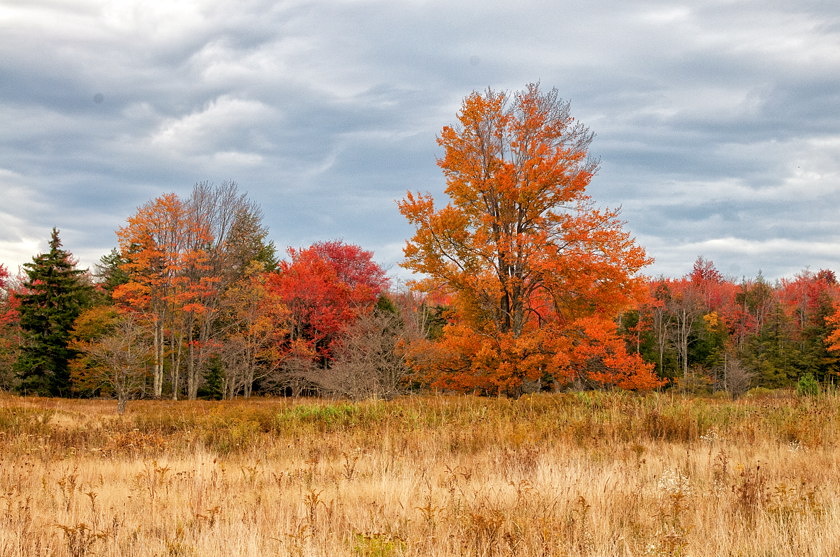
x=568 y=474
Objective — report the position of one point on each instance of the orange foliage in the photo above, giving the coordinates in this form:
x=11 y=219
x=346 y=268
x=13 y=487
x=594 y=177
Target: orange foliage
x=488 y=364
x=599 y=356
x=520 y=247
x=162 y=246
x=254 y=314
x=833 y=338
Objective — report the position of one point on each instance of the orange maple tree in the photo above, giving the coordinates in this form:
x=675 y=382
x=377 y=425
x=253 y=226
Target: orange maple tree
x=520 y=247
x=180 y=257
x=161 y=246
x=600 y=358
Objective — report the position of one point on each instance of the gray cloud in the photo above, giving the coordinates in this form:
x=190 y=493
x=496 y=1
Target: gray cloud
x=717 y=123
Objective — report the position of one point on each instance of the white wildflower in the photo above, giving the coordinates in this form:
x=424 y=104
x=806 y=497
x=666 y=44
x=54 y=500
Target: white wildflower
x=674 y=482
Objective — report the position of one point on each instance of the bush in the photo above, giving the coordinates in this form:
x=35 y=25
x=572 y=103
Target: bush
x=762 y=392
x=807 y=386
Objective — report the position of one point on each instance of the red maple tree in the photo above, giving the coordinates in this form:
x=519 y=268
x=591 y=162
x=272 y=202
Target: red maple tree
x=324 y=288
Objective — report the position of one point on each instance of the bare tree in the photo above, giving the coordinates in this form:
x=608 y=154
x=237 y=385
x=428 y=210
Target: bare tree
x=685 y=306
x=295 y=375
x=119 y=359
x=237 y=240
x=737 y=379
x=367 y=363
x=661 y=321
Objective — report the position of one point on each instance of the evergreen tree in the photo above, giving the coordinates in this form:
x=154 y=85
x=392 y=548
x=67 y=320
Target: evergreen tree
x=109 y=273
x=214 y=380
x=54 y=294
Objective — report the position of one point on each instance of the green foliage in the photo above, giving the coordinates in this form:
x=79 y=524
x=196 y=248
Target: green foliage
x=760 y=392
x=377 y=545
x=109 y=272
x=328 y=417
x=773 y=353
x=214 y=379
x=640 y=339
x=707 y=345
x=332 y=417
x=55 y=293
x=435 y=317
x=385 y=305
x=807 y=386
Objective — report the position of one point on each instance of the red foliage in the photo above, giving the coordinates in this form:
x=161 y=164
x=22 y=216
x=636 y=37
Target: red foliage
x=324 y=288
x=809 y=297
x=8 y=301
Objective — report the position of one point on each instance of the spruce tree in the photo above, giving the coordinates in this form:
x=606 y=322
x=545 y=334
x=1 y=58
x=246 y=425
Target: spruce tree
x=54 y=294
x=109 y=273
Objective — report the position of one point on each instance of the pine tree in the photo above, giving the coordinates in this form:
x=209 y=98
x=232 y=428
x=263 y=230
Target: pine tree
x=109 y=274
x=54 y=294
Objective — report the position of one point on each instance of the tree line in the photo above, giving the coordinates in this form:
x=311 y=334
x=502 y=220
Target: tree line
x=194 y=302
x=524 y=284
x=703 y=331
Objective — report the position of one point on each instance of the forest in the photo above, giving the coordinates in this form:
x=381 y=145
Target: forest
x=523 y=285
x=531 y=392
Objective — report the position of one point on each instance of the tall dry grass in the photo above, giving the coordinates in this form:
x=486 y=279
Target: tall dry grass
x=587 y=474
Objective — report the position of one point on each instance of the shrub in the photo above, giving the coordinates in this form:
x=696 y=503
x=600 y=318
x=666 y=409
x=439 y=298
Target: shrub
x=807 y=386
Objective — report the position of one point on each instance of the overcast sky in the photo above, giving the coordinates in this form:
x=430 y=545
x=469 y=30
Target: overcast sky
x=717 y=122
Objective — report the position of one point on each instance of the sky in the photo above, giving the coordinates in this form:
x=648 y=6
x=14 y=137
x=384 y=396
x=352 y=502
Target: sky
x=717 y=123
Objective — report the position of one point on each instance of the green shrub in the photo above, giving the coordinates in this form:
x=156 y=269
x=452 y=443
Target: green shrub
x=807 y=386
x=377 y=545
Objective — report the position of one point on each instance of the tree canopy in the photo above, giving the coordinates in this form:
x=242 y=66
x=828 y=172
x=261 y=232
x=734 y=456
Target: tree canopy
x=520 y=247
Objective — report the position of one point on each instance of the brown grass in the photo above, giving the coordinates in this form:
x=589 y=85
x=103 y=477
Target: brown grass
x=588 y=474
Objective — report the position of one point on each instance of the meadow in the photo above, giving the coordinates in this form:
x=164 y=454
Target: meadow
x=591 y=473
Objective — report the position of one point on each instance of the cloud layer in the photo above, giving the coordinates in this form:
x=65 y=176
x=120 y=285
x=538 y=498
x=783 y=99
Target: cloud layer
x=717 y=123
